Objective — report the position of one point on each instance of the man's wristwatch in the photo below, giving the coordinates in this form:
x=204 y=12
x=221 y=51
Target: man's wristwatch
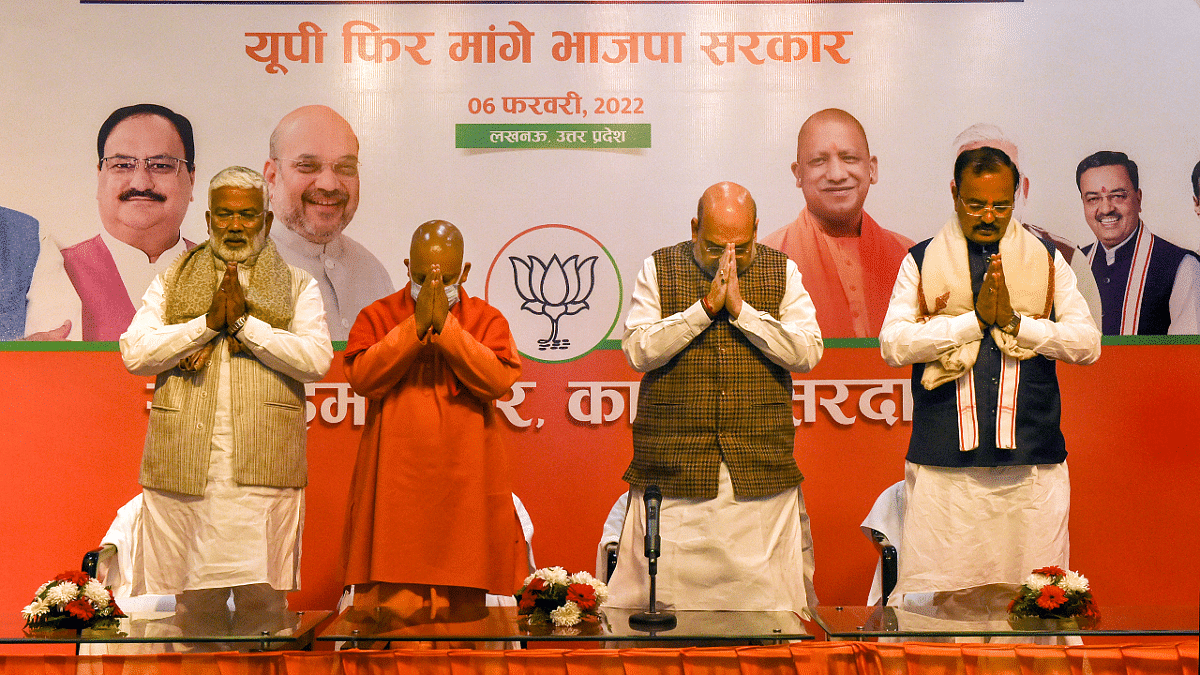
x=236 y=326
x=1013 y=325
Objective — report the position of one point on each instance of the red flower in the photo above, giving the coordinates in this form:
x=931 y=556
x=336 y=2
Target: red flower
x=74 y=576
x=1052 y=571
x=1052 y=597
x=583 y=595
x=80 y=608
x=528 y=597
x=527 y=601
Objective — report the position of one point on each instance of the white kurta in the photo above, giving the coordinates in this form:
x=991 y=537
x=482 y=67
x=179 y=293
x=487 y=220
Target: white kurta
x=970 y=527
x=235 y=534
x=726 y=553
x=350 y=277
x=53 y=298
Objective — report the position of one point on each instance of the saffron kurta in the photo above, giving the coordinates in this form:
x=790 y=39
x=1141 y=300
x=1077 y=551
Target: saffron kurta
x=431 y=499
x=848 y=278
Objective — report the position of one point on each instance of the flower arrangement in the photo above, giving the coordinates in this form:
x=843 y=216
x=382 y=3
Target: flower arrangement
x=551 y=596
x=1054 y=593
x=72 y=600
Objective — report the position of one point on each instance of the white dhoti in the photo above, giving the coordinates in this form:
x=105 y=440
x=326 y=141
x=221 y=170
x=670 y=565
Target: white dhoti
x=726 y=553
x=234 y=535
x=973 y=527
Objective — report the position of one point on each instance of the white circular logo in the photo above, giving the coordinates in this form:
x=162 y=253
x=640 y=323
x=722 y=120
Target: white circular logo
x=560 y=290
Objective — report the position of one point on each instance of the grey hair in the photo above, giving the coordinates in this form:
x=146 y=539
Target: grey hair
x=241 y=177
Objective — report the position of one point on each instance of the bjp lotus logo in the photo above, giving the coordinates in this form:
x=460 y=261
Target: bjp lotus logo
x=554 y=289
x=562 y=276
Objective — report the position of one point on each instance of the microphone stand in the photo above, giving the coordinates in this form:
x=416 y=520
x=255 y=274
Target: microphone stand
x=652 y=620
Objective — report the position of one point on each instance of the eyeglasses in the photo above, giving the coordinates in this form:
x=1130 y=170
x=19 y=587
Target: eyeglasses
x=161 y=165
x=978 y=209
x=717 y=251
x=347 y=168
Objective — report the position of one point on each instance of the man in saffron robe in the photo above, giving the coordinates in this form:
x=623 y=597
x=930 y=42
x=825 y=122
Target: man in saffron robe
x=431 y=522
x=848 y=262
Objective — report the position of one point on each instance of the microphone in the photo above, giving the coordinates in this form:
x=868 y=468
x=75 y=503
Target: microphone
x=652 y=620
x=653 y=500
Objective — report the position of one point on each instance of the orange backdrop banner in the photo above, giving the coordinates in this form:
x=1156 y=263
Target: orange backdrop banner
x=75 y=421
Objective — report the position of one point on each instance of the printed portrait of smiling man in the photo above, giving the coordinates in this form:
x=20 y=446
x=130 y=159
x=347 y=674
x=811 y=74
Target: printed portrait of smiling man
x=1148 y=286
x=145 y=172
x=313 y=174
x=847 y=260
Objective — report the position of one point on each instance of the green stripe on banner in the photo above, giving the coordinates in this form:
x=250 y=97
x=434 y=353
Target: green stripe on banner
x=549 y=136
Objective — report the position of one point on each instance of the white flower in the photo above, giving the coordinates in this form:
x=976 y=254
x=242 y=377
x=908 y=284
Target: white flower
x=36 y=608
x=1037 y=581
x=527 y=580
x=553 y=575
x=1074 y=582
x=567 y=615
x=582 y=578
x=599 y=586
x=41 y=588
x=62 y=593
x=97 y=593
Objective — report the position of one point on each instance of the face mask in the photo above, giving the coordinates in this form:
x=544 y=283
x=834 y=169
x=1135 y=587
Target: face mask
x=451 y=292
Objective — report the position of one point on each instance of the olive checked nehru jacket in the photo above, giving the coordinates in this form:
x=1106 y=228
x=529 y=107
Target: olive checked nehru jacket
x=720 y=398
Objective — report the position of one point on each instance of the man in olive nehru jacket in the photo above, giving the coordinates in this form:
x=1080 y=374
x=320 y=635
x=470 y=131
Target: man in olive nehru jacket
x=232 y=333
x=718 y=324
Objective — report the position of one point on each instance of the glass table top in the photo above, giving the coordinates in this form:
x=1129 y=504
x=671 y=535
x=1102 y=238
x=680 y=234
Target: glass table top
x=272 y=630
x=847 y=622
x=504 y=624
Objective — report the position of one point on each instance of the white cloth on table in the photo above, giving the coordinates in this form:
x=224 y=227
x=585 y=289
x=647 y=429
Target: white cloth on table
x=610 y=535
x=886 y=517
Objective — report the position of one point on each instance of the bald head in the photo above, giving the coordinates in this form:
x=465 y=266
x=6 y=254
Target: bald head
x=834 y=168
x=436 y=235
x=727 y=196
x=320 y=120
x=313 y=172
x=437 y=243
x=726 y=215
x=817 y=123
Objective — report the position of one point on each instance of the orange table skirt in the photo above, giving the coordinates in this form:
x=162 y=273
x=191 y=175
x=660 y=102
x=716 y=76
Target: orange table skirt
x=822 y=658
